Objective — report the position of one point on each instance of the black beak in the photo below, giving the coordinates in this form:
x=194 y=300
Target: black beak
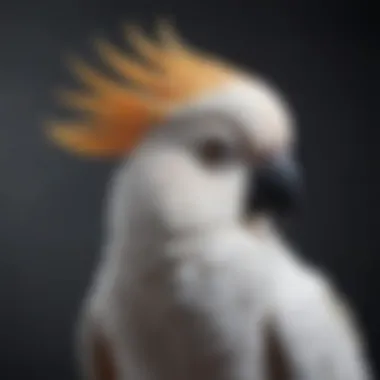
x=276 y=187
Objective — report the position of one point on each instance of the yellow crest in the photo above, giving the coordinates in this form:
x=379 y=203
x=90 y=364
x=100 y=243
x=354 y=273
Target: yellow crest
x=118 y=115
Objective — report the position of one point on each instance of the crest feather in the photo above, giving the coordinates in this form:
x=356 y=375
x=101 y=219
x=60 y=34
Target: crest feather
x=118 y=115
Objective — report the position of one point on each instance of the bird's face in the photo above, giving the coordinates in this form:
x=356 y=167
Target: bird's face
x=222 y=160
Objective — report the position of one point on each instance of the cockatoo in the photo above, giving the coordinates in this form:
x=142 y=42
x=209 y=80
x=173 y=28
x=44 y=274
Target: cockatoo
x=194 y=280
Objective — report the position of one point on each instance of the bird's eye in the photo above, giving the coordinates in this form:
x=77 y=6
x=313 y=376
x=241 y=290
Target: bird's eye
x=214 y=151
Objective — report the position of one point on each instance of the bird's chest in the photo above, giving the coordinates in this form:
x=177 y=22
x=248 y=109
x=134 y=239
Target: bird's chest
x=197 y=319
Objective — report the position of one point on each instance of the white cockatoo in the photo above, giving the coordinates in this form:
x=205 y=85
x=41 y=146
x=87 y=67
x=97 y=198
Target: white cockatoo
x=194 y=282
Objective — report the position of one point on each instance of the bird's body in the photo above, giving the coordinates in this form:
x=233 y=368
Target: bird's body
x=195 y=312
x=207 y=306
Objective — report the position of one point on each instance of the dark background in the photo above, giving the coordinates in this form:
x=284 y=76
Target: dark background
x=324 y=55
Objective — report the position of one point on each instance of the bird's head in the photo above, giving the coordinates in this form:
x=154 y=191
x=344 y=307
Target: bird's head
x=208 y=144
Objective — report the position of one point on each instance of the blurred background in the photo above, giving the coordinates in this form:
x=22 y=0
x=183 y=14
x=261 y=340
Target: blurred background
x=323 y=54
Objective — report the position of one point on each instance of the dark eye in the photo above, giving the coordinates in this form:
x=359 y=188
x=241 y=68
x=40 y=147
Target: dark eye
x=214 y=151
